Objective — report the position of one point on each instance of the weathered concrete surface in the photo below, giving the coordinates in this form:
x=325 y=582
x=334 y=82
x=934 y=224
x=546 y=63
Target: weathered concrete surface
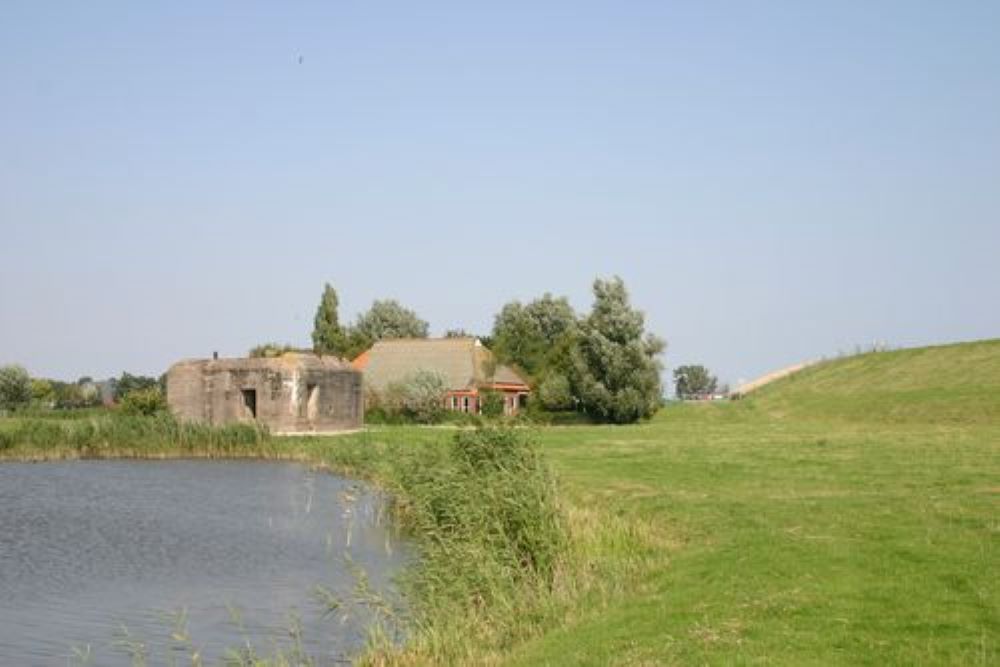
x=291 y=393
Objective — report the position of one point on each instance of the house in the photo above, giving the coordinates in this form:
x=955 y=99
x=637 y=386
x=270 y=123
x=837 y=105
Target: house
x=468 y=369
x=292 y=393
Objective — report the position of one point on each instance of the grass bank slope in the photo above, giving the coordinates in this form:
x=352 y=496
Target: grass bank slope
x=957 y=383
x=847 y=515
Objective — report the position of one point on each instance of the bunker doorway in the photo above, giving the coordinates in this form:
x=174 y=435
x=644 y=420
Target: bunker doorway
x=250 y=402
x=312 y=402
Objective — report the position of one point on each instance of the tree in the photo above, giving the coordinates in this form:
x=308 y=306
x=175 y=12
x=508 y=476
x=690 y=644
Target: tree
x=692 y=381
x=147 y=401
x=458 y=333
x=616 y=372
x=42 y=392
x=328 y=336
x=128 y=383
x=385 y=320
x=69 y=395
x=15 y=387
x=525 y=335
x=389 y=319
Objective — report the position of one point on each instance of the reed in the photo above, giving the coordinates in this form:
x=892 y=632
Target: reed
x=114 y=435
x=501 y=559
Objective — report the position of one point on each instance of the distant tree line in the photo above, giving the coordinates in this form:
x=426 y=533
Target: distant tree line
x=135 y=393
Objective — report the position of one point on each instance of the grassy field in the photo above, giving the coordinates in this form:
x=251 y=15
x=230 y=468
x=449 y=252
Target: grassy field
x=849 y=514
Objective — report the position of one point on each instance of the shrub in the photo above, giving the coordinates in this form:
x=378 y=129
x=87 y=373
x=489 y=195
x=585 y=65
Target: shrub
x=491 y=404
x=146 y=402
x=418 y=398
x=128 y=383
x=555 y=393
x=462 y=418
x=270 y=350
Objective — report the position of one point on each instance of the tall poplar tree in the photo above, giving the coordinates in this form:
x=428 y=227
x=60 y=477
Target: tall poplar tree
x=328 y=336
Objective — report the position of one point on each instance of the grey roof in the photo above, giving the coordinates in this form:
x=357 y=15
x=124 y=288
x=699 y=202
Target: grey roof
x=463 y=363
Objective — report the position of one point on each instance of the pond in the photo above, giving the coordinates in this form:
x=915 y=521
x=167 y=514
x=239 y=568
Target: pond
x=115 y=562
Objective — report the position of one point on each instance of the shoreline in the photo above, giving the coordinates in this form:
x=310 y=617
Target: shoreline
x=467 y=575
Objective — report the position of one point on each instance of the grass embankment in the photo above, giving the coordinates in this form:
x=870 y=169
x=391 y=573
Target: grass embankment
x=849 y=514
x=845 y=515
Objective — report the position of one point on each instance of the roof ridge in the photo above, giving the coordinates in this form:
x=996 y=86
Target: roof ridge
x=442 y=339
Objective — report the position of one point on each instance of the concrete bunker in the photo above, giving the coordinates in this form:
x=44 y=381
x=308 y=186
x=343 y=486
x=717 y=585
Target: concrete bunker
x=296 y=392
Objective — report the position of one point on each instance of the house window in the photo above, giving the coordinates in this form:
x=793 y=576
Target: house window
x=454 y=402
x=465 y=404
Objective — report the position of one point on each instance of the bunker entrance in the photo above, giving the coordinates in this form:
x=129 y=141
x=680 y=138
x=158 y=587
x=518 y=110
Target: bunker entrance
x=250 y=402
x=312 y=401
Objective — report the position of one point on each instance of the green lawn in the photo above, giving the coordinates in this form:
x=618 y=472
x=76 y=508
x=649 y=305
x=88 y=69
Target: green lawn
x=806 y=525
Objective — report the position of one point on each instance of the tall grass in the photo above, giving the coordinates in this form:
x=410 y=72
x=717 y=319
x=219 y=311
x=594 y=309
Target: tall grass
x=118 y=435
x=481 y=507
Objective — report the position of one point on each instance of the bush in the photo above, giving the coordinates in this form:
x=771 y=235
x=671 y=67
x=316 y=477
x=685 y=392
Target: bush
x=270 y=350
x=555 y=393
x=537 y=414
x=128 y=383
x=460 y=418
x=491 y=403
x=418 y=398
x=146 y=402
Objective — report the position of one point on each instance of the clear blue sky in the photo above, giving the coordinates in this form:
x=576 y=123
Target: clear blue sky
x=774 y=181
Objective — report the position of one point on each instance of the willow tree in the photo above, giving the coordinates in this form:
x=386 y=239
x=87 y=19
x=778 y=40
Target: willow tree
x=527 y=335
x=616 y=369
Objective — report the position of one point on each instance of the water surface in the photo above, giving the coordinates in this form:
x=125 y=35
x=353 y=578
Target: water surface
x=100 y=561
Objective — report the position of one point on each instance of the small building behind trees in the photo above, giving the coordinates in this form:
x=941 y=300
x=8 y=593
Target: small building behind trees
x=468 y=369
x=295 y=392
